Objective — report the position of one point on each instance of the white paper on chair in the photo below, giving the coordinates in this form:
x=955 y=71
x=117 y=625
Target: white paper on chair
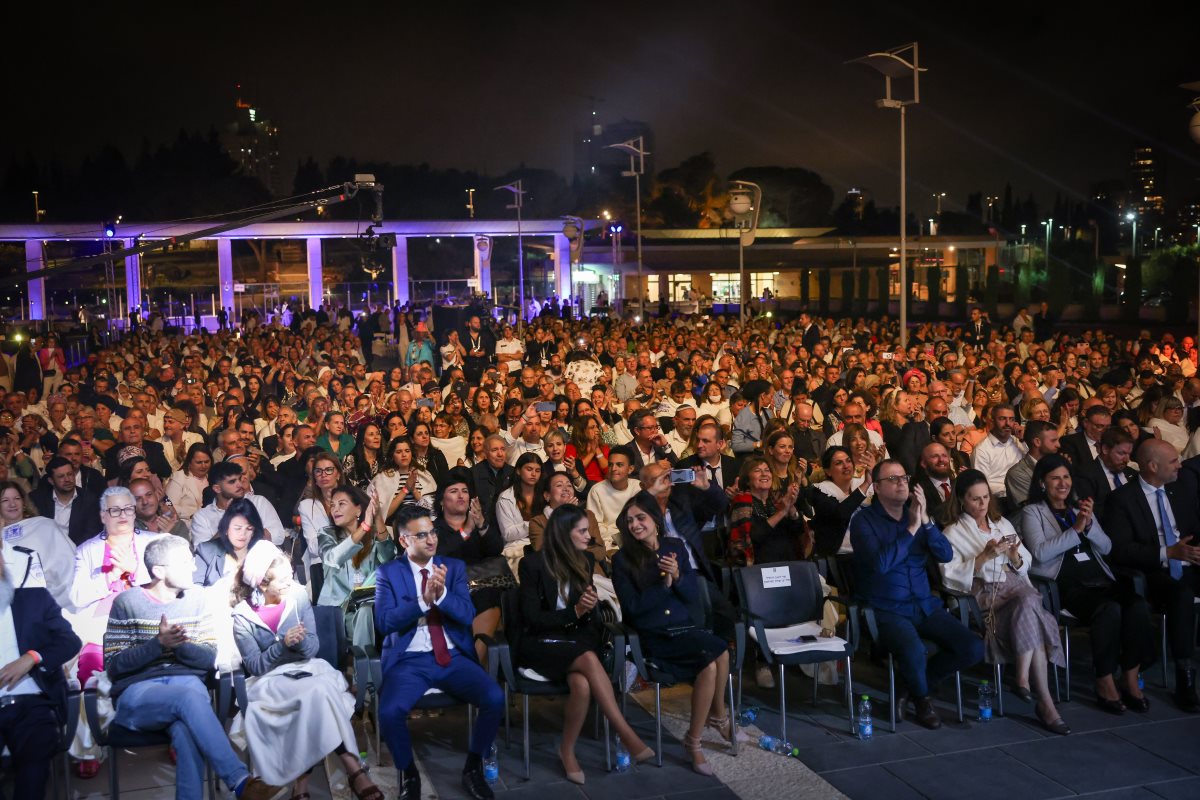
x=787 y=640
x=776 y=577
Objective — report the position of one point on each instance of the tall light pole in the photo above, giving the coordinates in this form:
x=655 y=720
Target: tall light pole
x=1132 y=217
x=745 y=202
x=938 y=197
x=636 y=149
x=516 y=187
x=1049 y=227
x=891 y=64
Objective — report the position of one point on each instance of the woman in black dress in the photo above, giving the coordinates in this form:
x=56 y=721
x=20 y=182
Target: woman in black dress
x=560 y=637
x=658 y=590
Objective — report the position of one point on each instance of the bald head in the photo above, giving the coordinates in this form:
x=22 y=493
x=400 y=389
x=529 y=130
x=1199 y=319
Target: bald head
x=1158 y=462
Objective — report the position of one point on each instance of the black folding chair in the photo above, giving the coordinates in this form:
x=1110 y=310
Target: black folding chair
x=781 y=601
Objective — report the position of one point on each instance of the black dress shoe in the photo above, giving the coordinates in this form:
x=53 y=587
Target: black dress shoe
x=475 y=784
x=1185 y=690
x=1138 y=704
x=901 y=705
x=1023 y=693
x=1111 y=706
x=410 y=785
x=926 y=715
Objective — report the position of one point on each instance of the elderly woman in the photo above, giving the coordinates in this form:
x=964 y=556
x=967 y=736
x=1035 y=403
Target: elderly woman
x=1069 y=547
x=658 y=588
x=991 y=564
x=352 y=549
x=1169 y=423
x=291 y=691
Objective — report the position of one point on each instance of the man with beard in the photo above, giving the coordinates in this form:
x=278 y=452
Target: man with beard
x=481 y=350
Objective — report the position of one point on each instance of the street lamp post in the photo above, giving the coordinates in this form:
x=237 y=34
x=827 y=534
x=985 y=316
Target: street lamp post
x=636 y=149
x=893 y=64
x=1049 y=227
x=745 y=202
x=1132 y=217
x=518 y=191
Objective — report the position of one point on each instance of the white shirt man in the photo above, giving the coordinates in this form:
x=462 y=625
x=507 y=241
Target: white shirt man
x=1000 y=451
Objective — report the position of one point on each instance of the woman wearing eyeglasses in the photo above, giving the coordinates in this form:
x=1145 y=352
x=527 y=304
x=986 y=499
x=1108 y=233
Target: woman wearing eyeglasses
x=105 y=565
x=324 y=475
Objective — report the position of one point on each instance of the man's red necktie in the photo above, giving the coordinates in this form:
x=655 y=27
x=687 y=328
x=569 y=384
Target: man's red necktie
x=437 y=636
x=945 y=490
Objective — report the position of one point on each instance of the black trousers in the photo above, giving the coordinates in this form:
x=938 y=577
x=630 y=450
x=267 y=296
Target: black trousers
x=30 y=730
x=1176 y=598
x=1120 y=625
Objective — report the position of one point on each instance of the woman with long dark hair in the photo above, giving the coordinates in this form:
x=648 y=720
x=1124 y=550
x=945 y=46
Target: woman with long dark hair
x=425 y=455
x=1069 y=547
x=517 y=502
x=835 y=499
x=561 y=636
x=352 y=549
x=237 y=532
x=659 y=592
x=364 y=462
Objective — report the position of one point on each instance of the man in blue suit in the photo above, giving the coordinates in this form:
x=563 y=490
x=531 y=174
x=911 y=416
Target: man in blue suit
x=35 y=642
x=424 y=612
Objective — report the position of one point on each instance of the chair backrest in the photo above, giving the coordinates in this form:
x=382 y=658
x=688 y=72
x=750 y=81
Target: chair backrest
x=780 y=594
x=331 y=632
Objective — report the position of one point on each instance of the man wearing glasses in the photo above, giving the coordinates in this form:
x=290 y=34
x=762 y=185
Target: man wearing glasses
x=894 y=541
x=650 y=445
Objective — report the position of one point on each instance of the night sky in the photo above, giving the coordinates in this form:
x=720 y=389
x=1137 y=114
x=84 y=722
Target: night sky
x=1047 y=99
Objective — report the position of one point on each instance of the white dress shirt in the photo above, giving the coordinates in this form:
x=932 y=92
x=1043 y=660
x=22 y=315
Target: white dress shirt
x=994 y=458
x=421 y=642
x=10 y=651
x=1152 y=500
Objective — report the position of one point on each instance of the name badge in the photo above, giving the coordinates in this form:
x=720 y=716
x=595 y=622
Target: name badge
x=1082 y=557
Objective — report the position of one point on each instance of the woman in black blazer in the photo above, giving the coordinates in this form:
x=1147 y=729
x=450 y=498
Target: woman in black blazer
x=559 y=635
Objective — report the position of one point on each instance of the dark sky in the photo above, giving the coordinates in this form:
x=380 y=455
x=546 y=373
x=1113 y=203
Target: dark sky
x=1048 y=99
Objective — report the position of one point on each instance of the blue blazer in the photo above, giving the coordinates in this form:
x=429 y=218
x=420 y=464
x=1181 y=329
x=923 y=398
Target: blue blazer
x=397 y=608
x=40 y=626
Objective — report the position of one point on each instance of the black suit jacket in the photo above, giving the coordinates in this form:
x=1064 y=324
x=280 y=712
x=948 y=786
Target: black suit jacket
x=810 y=445
x=1091 y=481
x=662 y=453
x=830 y=519
x=85 y=512
x=486 y=485
x=538 y=597
x=980 y=337
x=729 y=468
x=691 y=509
x=1129 y=522
x=933 y=495
x=92 y=481
x=912 y=439
x=154 y=456
x=810 y=337
x=1075 y=447
x=40 y=627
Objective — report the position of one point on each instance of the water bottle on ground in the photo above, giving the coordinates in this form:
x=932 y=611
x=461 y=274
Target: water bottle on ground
x=623 y=760
x=866 y=725
x=776 y=745
x=1141 y=682
x=985 y=701
x=747 y=716
x=362 y=761
x=491 y=766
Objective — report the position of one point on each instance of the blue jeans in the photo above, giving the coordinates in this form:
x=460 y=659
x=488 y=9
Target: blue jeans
x=180 y=704
x=958 y=647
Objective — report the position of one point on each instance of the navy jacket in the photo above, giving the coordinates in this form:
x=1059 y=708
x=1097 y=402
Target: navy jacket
x=40 y=626
x=691 y=509
x=397 y=608
x=892 y=564
x=657 y=608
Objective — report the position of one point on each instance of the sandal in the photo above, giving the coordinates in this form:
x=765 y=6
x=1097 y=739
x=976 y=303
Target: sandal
x=371 y=793
x=692 y=748
x=722 y=726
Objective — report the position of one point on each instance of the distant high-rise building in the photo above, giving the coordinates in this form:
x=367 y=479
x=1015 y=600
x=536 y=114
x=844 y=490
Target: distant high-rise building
x=253 y=142
x=593 y=162
x=1147 y=198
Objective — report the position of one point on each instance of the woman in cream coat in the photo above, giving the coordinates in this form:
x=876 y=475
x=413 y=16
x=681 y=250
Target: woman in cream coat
x=991 y=564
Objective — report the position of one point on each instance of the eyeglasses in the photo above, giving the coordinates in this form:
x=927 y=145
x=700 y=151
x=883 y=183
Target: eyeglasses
x=326 y=471
x=122 y=511
x=897 y=479
x=648 y=427
x=423 y=535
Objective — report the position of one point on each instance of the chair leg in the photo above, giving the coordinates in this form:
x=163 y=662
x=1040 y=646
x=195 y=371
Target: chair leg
x=958 y=693
x=658 y=723
x=1067 y=659
x=470 y=723
x=1162 y=630
x=1000 y=688
x=732 y=719
x=850 y=698
x=507 y=720
x=892 y=692
x=782 y=704
x=114 y=784
x=1057 y=685
x=607 y=743
x=525 y=727
x=816 y=673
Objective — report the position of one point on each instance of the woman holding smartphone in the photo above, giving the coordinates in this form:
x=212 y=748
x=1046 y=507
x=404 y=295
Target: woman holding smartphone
x=991 y=564
x=560 y=636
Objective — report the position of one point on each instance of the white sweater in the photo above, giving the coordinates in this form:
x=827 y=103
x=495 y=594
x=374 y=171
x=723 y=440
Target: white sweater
x=606 y=503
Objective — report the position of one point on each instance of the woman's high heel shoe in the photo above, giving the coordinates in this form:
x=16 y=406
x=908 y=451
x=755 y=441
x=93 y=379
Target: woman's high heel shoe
x=575 y=777
x=722 y=726
x=692 y=748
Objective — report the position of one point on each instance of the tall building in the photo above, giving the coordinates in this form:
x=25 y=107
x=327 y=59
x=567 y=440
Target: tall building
x=253 y=142
x=1147 y=198
x=593 y=162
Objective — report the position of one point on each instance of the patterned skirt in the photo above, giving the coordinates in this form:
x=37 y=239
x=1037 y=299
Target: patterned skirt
x=1021 y=621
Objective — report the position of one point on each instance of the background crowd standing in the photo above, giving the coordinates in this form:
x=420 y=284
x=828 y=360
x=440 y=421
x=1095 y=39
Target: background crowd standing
x=187 y=499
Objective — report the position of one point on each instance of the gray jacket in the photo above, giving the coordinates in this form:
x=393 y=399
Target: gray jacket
x=1049 y=543
x=337 y=561
x=261 y=649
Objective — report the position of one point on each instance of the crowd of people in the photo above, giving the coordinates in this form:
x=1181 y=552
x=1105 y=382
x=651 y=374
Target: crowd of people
x=182 y=500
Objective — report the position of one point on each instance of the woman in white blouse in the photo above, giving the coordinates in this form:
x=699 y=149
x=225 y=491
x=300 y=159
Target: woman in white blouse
x=715 y=404
x=186 y=486
x=518 y=503
x=991 y=563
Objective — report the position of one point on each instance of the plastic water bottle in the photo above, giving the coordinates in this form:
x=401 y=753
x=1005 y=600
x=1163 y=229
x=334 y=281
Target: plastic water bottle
x=747 y=716
x=491 y=765
x=1141 y=682
x=362 y=761
x=624 y=762
x=775 y=745
x=866 y=725
x=985 y=701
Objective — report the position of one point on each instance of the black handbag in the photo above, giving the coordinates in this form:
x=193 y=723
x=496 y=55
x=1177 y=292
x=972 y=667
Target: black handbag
x=490 y=573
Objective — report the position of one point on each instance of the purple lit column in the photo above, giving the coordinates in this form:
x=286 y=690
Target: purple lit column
x=562 y=267
x=400 y=270
x=133 y=277
x=35 y=290
x=225 y=273
x=316 y=278
x=483 y=263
